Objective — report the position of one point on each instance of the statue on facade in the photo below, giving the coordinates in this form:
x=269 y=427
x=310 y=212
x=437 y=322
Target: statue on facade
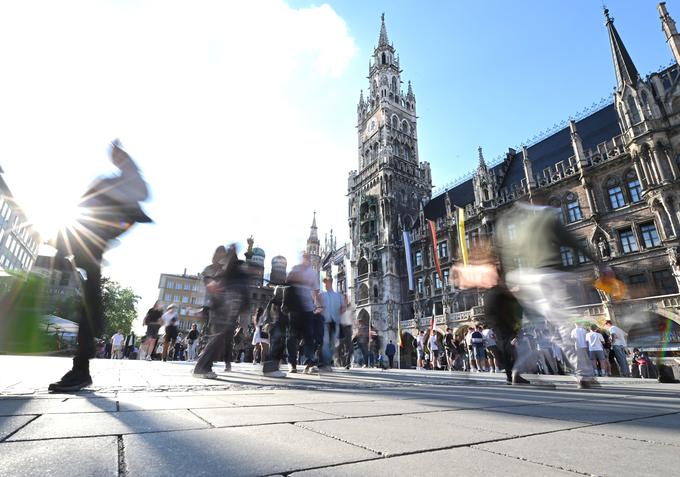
x=417 y=312
x=674 y=260
x=390 y=313
x=446 y=304
x=603 y=248
x=250 y=241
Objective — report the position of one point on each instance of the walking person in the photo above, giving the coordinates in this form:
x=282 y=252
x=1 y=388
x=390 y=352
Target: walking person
x=477 y=344
x=596 y=349
x=390 y=351
x=260 y=338
x=192 y=342
x=491 y=348
x=333 y=307
x=228 y=298
x=117 y=342
x=305 y=317
x=618 y=337
x=420 y=350
x=153 y=322
x=129 y=345
x=169 y=320
x=111 y=208
x=346 y=347
x=434 y=350
x=449 y=349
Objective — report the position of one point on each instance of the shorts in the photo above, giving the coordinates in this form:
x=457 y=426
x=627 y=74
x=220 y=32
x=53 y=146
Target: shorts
x=492 y=351
x=170 y=333
x=420 y=353
x=598 y=354
x=435 y=355
x=478 y=353
x=152 y=331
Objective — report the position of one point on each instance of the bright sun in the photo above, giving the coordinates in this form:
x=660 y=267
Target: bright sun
x=50 y=216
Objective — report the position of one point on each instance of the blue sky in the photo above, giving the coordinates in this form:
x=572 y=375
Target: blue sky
x=242 y=115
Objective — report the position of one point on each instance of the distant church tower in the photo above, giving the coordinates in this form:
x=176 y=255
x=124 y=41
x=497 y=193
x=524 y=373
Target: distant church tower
x=314 y=246
x=385 y=193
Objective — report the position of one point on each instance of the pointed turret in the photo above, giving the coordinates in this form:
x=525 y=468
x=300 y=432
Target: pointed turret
x=383 y=41
x=313 y=233
x=409 y=92
x=626 y=73
x=482 y=163
x=314 y=245
x=671 y=32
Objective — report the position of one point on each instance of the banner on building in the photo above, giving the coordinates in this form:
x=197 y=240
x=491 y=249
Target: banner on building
x=436 y=251
x=461 y=235
x=399 y=337
x=409 y=263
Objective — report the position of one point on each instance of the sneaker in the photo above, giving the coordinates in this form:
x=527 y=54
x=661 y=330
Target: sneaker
x=311 y=369
x=204 y=374
x=349 y=366
x=227 y=367
x=587 y=384
x=74 y=380
x=292 y=368
x=275 y=374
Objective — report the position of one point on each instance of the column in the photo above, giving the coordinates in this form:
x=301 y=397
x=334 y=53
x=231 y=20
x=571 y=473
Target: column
x=648 y=163
x=671 y=163
x=671 y=218
x=658 y=161
x=589 y=196
x=642 y=177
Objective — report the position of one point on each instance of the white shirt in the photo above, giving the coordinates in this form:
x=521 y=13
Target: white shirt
x=117 y=340
x=595 y=341
x=433 y=343
x=489 y=337
x=579 y=335
x=168 y=316
x=618 y=336
x=420 y=341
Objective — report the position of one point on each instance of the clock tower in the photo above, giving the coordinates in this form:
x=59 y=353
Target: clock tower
x=385 y=193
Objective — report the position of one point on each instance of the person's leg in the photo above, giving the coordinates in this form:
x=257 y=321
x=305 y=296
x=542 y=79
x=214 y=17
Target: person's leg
x=295 y=328
x=621 y=361
x=214 y=347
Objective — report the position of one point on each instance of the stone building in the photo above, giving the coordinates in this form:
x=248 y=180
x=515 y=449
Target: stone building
x=613 y=176
x=187 y=293
x=19 y=241
x=385 y=193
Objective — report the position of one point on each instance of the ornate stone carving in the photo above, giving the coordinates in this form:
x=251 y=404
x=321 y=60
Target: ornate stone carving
x=603 y=248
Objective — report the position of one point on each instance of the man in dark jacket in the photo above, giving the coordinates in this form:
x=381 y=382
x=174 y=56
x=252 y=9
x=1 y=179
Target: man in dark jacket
x=390 y=351
x=110 y=207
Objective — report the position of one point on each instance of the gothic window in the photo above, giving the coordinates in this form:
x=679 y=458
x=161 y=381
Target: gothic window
x=446 y=277
x=628 y=242
x=573 y=208
x=443 y=250
x=437 y=282
x=420 y=285
x=384 y=59
x=407 y=156
x=395 y=122
x=616 y=199
x=582 y=258
x=363 y=292
x=408 y=105
x=665 y=283
x=650 y=236
x=567 y=256
x=363 y=267
x=419 y=258
x=557 y=206
x=633 y=184
x=404 y=126
x=633 y=110
x=394 y=84
x=376 y=265
x=375 y=291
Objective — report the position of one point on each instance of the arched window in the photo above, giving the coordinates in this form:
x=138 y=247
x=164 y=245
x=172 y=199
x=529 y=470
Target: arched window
x=615 y=194
x=405 y=127
x=633 y=186
x=363 y=292
x=375 y=291
x=394 y=84
x=363 y=267
x=384 y=59
x=633 y=111
x=395 y=122
x=574 y=213
x=407 y=155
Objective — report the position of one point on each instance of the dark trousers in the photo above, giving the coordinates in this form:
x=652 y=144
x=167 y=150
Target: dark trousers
x=91 y=322
x=296 y=332
x=390 y=358
x=313 y=337
x=345 y=348
x=219 y=345
x=506 y=354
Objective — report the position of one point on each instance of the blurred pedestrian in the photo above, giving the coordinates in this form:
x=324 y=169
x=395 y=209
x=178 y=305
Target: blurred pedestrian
x=153 y=322
x=596 y=349
x=192 y=342
x=420 y=350
x=491 y=348
x=260 y=338
x=390 y=351
x=110 y=207
x=306 y=322
x=618 y=337
x=129 y=344
x=117 y=341
x=434 y=349
x=169 y=320
x=333 y=307
x=225 y=284
x=346 y=348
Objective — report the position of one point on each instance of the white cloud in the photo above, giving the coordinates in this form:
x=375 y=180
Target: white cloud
x=205 y=95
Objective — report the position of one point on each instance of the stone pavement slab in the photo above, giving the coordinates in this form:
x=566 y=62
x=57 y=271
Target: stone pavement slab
x=461 y=461
x=662 y=429
x=93 y=457
x=509 y=424
x=382 y=407
x=49 y=426
x=160 y=402
x=11 y=424
x=16 y=406
x=240 y=451
x=590 y=454
x=586 y=411
x=245 y=416
x=391 y=435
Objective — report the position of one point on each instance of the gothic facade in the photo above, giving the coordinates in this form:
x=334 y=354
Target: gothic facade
x=613 y=175
x=385 y=193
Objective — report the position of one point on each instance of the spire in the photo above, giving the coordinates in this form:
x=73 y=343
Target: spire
x=671 y=32
x=313 y=235
x=482 y=164
x=409 y=92
x=382 y=41
x=626 y=73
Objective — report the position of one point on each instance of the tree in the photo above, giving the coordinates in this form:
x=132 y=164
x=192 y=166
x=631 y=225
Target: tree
x=120 y=307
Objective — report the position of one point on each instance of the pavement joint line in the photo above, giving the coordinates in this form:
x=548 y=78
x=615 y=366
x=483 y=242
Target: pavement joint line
x=626 y=438
x=122 y=462
x=345 y=441
x=212 y=426
x=36 y=416
x=524 y=459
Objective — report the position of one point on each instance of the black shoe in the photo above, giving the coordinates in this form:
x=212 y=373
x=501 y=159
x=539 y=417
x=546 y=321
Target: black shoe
x=74 y=380
x=518 y=379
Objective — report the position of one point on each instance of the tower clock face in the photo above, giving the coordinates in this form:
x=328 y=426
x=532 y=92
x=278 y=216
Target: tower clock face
x=371 y=126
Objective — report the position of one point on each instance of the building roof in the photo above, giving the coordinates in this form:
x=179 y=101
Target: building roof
x=594 y=129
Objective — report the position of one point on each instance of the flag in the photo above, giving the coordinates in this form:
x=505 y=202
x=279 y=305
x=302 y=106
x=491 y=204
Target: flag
x=409 y=263
x=461 y=235
x=432 y=322
x=436 y=251
x=399 y=338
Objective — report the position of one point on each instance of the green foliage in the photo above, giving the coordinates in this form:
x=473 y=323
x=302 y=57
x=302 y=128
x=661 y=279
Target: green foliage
x=66 y=308
x=120 y=307
x=21 y=326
